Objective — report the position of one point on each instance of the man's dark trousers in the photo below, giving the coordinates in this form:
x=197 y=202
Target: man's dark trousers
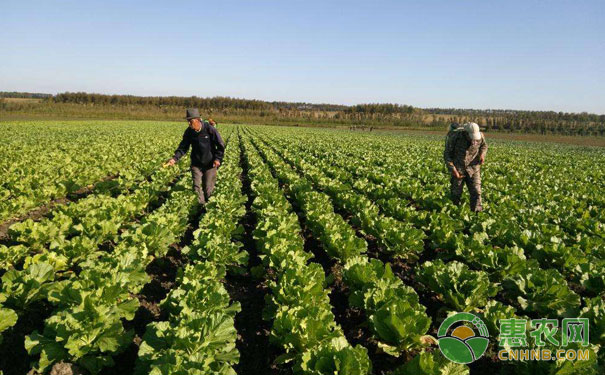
x=203 y=182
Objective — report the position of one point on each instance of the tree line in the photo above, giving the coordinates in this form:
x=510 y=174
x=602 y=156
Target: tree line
x=378 y=115
x=518 y=115
x=24 y=95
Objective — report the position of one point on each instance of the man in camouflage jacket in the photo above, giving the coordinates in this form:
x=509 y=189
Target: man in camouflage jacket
x=464 y=154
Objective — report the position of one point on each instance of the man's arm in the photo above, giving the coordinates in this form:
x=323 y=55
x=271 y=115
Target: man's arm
x=482 y=149
x=448 y=153
x=219 y=145
x=183 y=147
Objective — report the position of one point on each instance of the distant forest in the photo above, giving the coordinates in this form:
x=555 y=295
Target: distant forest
x=24 y=95
x=225 y=109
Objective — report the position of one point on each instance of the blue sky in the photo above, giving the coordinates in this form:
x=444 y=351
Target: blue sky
x=540 y=55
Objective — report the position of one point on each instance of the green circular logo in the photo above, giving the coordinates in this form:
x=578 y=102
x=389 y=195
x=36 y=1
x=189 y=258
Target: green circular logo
x=463 y=344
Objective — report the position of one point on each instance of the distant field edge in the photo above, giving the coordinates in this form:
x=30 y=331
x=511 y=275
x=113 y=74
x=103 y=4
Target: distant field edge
x=595 y=141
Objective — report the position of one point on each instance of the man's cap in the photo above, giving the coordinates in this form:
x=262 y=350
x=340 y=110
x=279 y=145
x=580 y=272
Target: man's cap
x=192 y=113
x=473 y=131
x=454 y=126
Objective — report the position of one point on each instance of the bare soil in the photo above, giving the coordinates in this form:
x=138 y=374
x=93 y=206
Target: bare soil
x=14 y=359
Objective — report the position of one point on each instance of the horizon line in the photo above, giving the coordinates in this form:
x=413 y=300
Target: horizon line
x=311 y=103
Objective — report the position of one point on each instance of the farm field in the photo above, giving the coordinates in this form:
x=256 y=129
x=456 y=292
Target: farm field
x=321 y=251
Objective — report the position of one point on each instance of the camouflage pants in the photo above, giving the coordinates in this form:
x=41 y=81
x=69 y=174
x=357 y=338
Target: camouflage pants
x=474 y=188
x=203 y=183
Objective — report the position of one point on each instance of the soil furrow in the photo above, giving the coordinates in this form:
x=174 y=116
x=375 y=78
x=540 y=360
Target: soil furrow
x=250 y=291
x=162 y=271
x=352 y=320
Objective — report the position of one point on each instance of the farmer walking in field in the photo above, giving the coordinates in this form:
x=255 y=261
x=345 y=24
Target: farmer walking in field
x=207 y=150
x=464 y=154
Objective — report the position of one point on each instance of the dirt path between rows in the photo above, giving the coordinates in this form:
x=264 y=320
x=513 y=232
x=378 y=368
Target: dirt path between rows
x=256 y=355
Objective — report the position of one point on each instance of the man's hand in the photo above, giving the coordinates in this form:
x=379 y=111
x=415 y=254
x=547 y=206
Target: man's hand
x=170 y=163
x=216 y=164
x=482 y=159
x=456 y=174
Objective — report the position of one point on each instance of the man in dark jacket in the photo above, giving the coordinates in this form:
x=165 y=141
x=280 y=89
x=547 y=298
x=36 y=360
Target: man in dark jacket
x=207 y=150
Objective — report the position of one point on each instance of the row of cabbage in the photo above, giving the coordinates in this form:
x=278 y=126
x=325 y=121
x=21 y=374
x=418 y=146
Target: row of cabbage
x=92 y=289
x=299 y=305
x=43 y=161
x=199 y=335
x=58 y=260
x=565 y=231
x=509 y=261
x=397 y=320
x=86 y=326
x=545 y=292
x=526 y=284
x=60 y=243
x=76 y=228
